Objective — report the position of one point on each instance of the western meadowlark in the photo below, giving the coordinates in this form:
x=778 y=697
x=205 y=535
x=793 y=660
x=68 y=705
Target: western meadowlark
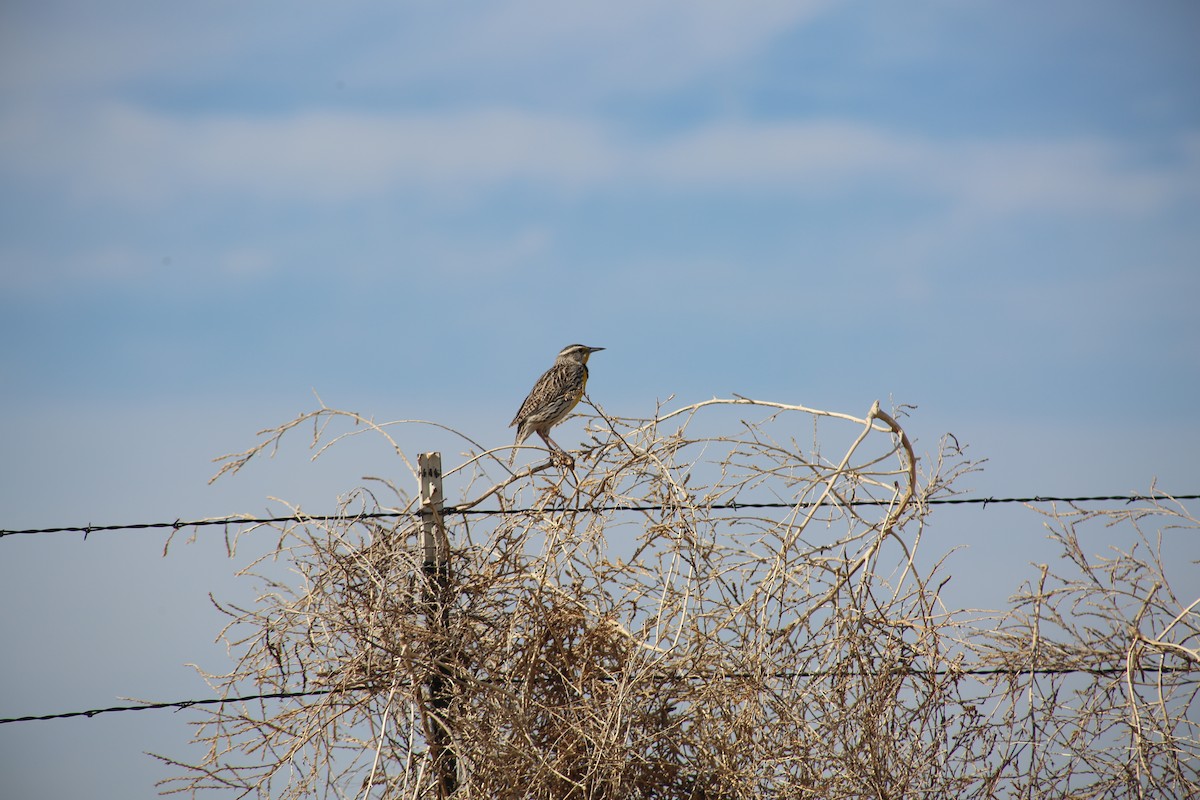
x=553 y=396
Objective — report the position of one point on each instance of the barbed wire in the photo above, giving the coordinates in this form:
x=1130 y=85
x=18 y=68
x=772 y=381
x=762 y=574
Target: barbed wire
x=964 y=672
x=732 y=505
x=175 y=704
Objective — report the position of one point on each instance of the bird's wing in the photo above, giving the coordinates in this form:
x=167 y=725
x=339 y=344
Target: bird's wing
x=531 y=399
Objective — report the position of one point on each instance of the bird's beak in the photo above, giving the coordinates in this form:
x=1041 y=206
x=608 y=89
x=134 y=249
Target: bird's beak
x=594 y=349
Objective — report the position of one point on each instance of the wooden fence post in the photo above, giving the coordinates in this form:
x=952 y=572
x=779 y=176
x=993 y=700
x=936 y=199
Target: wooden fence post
x=435 y=547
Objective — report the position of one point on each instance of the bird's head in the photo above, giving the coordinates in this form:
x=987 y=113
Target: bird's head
x=576 y=353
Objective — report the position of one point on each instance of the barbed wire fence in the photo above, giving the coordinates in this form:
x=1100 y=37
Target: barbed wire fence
x=766 y=624
x=239 y=520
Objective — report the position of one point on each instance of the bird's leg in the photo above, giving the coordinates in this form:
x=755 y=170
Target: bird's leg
x=557 y=452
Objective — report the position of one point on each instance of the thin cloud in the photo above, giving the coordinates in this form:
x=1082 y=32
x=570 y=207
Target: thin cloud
x=135 y=155
x=805 y=155
x=124 y=153
x=604 y=50
x=1069 y=176
x=73 y=49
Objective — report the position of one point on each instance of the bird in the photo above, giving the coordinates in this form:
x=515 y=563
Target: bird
x=553 y=396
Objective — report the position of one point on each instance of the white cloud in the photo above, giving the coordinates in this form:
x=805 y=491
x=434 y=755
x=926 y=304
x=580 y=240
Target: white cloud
x=1067 y=176
x=600 y=47
x=69 y=49
x=65 y=130
x=981 y=177
x=122 y=153
x=803 y=155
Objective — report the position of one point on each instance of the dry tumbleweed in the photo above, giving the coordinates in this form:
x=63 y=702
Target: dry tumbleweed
x=708 y=605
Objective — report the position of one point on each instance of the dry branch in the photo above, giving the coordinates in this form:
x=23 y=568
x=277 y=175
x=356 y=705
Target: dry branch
x=693 y=650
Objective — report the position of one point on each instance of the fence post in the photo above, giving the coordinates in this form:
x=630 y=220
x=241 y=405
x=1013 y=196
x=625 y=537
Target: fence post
x=435 y=546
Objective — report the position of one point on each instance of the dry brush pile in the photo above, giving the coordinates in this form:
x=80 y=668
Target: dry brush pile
x=723 y=601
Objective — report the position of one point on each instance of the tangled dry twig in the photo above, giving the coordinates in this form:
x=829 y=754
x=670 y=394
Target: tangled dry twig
x=698 y=647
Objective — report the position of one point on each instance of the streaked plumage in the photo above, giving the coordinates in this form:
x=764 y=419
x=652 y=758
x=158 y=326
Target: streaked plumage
x=554 y=395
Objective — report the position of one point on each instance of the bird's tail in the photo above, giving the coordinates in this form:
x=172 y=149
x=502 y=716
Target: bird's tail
x=522 y=435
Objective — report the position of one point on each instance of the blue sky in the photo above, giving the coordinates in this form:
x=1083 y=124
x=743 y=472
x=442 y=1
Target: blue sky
x=990 y=210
